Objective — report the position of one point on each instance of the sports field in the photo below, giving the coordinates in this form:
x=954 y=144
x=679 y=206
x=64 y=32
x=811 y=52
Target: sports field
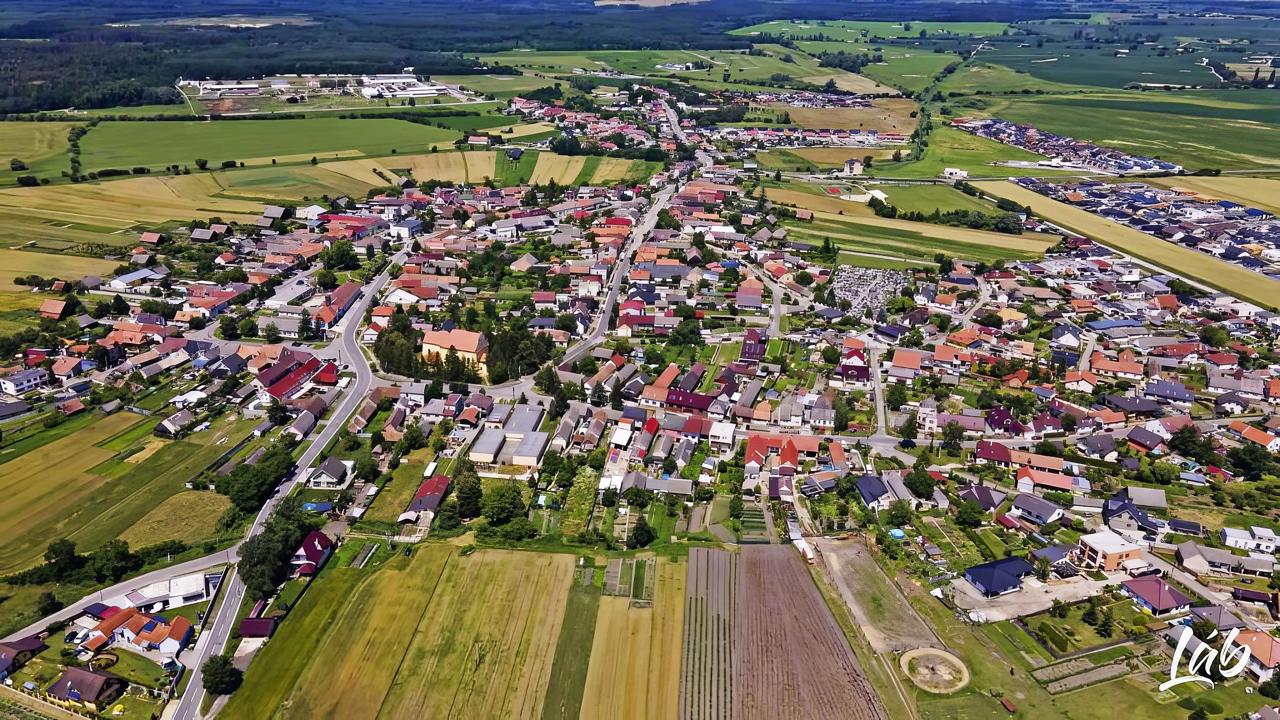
x=76 y=481
x=1196 y=265
x=42 y=146
x=635 y=659
x=253 y=142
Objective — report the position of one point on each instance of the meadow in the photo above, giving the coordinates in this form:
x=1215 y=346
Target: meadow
x=1249 y=285
x=893 y=115
x=927 y=198
x=42 y=146
x=986 y=77
x=253 y=142
x=18 y=309
x=949 y=147
x=82 y=486
x=499 y=86
x=912 y=69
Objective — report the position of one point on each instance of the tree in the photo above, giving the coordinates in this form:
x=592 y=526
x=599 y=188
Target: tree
x=1214 y=335
x=469 y=491
x=220 y=676
x=366 y=469
x=952 y=436
x=306 y=330
x=1204 y=629
x=119 y=306
x=908 y=429
x=62 y=558
x=1198 y=714
x=341 y=255
x=277 y=413
x=1059 y=609
x=228 y=327
x=202 y=163
x=969 y=514
x=1090 y=614
x=896 y=396
x=326 y=279
x=615 y=396
x=47 y=604
x=248 y=327
x=260 y=568
x=920 y=483
x=503 y=503
x=448 y=518
x=641 y=535
x=735 y=506
x=899 y=513
x=271 y=333
x=1043 y=568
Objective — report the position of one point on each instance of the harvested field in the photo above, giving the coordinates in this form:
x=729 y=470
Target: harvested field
x=445 y=166
x=527 y=129
x=813 y=201
x=480 y=165
x=189 y=516
x=14 y=262
x=485 y=645
x=708 y=668
x=635 y=659
x=561 y=168
x=791 y=658
x=885 y=115
x=1239 y=281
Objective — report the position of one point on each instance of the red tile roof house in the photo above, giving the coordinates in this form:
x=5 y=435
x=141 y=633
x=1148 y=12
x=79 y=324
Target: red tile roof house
x=312 y=554
x=1156 y=596
x=336 y=305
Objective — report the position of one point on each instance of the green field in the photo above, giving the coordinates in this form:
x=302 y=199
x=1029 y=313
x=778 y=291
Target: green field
x=1215 y=129
x=859 y=29
x=499 y=86
x=89 y=492
x=42 y=146
x=927 y=198
x=257 y=142
x=949 y=147
x=435 y=635
x=912 y=69
x=910 y=241
x=985 y=77
x=1102 y=67
x=573 y=655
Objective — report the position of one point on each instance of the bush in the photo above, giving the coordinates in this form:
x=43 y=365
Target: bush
x=1052 y=634
x=1209 y=705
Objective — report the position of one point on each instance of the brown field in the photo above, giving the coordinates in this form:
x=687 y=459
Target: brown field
x=635 y=657
x=446 y=166
x=886 y=115
x=1193 y=264
x=792 y=659
x=709 y=665
x=190 y=516
x=480 y=164
x=814 y=201
x=852 y=83
x=1261 y=192
x=485 y=645
x=14 y=262
x=526 y=129
x=561 y=168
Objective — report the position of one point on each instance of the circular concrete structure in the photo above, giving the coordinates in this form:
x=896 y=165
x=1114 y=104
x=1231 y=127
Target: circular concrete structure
x=935 y=671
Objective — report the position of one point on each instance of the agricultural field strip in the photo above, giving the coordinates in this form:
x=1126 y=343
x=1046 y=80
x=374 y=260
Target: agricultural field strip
x=709 y=661
x=1193 y=264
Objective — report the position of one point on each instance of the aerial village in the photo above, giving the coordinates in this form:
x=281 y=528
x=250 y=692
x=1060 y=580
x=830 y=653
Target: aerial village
x=1077 y=437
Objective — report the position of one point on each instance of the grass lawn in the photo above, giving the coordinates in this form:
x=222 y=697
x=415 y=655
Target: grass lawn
x=189 y=516
x=254 y=142
x=136 y=668
x=949 y=147
x=395 y=495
